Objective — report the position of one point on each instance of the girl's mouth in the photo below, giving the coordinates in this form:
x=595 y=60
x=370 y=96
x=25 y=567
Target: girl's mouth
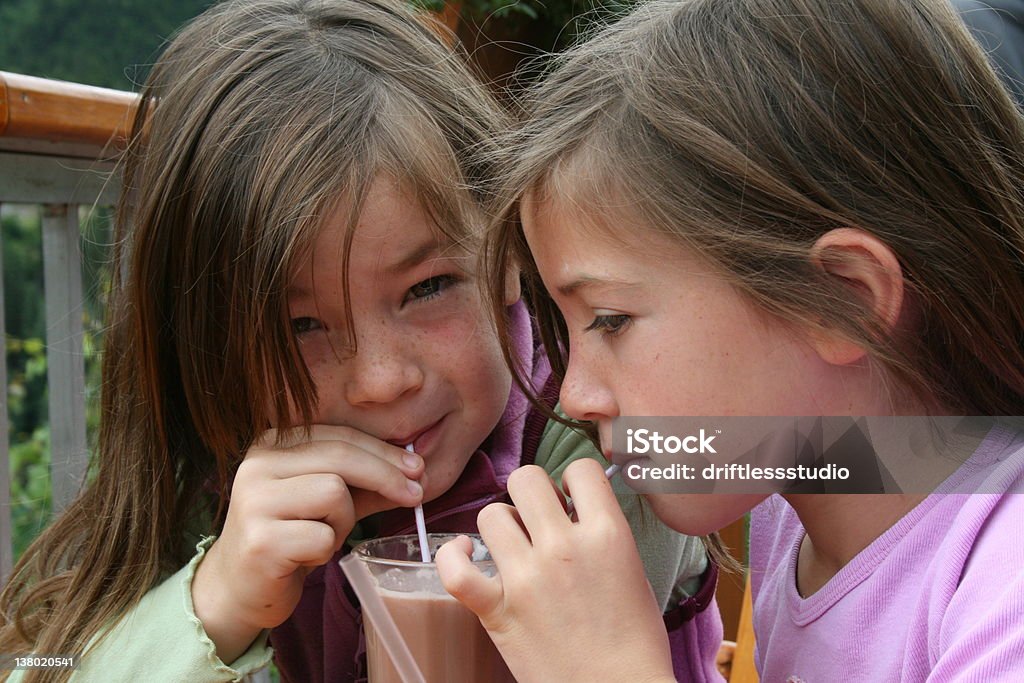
x=421 y=440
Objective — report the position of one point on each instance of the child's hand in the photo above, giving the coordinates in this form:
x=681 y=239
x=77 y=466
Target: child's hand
x=571 y=602
x=291 y=509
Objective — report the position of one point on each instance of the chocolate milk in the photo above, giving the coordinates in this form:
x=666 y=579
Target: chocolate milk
x=445 y=638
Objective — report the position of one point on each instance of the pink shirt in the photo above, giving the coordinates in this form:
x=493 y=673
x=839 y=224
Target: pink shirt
x=937 y=597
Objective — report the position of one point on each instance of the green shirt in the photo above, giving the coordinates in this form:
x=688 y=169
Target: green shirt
x=673 y=562
x=162 y=640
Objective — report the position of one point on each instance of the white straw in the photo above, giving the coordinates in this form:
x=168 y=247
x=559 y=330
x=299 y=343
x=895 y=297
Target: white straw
x=608 y=473
x=421 y=526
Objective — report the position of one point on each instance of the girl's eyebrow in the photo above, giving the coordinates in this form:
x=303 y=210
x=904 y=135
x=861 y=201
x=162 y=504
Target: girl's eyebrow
x=592 y=282
x=415 y=256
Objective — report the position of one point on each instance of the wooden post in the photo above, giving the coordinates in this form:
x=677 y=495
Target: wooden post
x=730 y=586
x=65 y=362
x=6 y=549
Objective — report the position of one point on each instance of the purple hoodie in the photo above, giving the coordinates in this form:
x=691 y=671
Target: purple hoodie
x=323 y=640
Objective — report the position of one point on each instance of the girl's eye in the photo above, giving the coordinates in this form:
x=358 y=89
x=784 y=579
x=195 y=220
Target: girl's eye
x=429 y=288
x=304 y=325
x=609 y=325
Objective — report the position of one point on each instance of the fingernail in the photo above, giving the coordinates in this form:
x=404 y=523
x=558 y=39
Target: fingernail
x=414 y=487
x=411 y=460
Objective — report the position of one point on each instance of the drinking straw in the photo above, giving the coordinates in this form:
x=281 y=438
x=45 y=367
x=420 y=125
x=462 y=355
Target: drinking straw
x=421 y=526
x=373 y=607
x=608 y=473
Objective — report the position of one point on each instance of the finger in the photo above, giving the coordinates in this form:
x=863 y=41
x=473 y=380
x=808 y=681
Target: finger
x=503 y=533
x=584 y=480
x=316 y=497
x=481 y=594
x=370 y=503
x=298 y=440
x=538 y=502
x=303 y=543
x=320 y=456
x=360 y=469
x=560 y=496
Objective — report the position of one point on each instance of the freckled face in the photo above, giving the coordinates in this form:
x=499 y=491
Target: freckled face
x=428 y=369
x=654 y=330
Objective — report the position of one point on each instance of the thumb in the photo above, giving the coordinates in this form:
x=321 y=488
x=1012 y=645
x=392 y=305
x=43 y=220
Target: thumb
x=481 y=594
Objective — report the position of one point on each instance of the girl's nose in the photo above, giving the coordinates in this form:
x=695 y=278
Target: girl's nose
x=381 y=372
x=584 y=396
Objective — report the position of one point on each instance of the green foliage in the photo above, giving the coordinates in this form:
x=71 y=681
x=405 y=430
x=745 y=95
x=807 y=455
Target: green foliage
x=100 y=42
x=26 y=358
x=30 y=487
x=24 y=321
x=568 y=21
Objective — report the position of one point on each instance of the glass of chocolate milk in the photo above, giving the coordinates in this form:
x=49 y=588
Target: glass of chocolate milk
x=446 y=639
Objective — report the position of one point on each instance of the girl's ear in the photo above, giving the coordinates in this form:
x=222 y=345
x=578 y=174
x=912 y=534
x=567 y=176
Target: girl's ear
x=513 y=288
x=869 y=268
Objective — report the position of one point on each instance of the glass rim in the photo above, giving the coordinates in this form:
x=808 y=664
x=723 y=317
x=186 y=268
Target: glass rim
x=361 y=550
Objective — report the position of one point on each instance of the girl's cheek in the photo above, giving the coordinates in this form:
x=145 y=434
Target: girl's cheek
x=461 y=319
x=316 y=354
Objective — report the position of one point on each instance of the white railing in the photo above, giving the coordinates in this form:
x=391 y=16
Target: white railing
x=57 y=141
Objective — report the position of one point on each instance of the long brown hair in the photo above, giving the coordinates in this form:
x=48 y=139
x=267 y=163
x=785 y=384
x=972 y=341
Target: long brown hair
x=260 y=118
x=746 y=129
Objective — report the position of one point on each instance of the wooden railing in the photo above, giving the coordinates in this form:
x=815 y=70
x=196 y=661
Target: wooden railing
x=57 y=141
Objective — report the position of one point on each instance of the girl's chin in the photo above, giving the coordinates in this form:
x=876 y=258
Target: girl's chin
x=699 y=514
x=436 y=484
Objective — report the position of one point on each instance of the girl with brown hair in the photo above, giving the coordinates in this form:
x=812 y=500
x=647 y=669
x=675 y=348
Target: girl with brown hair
x=773 y=208
x=294 y=302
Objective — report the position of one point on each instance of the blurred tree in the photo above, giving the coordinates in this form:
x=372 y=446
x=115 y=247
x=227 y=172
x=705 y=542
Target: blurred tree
x=100 y=42
x=24 y=321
